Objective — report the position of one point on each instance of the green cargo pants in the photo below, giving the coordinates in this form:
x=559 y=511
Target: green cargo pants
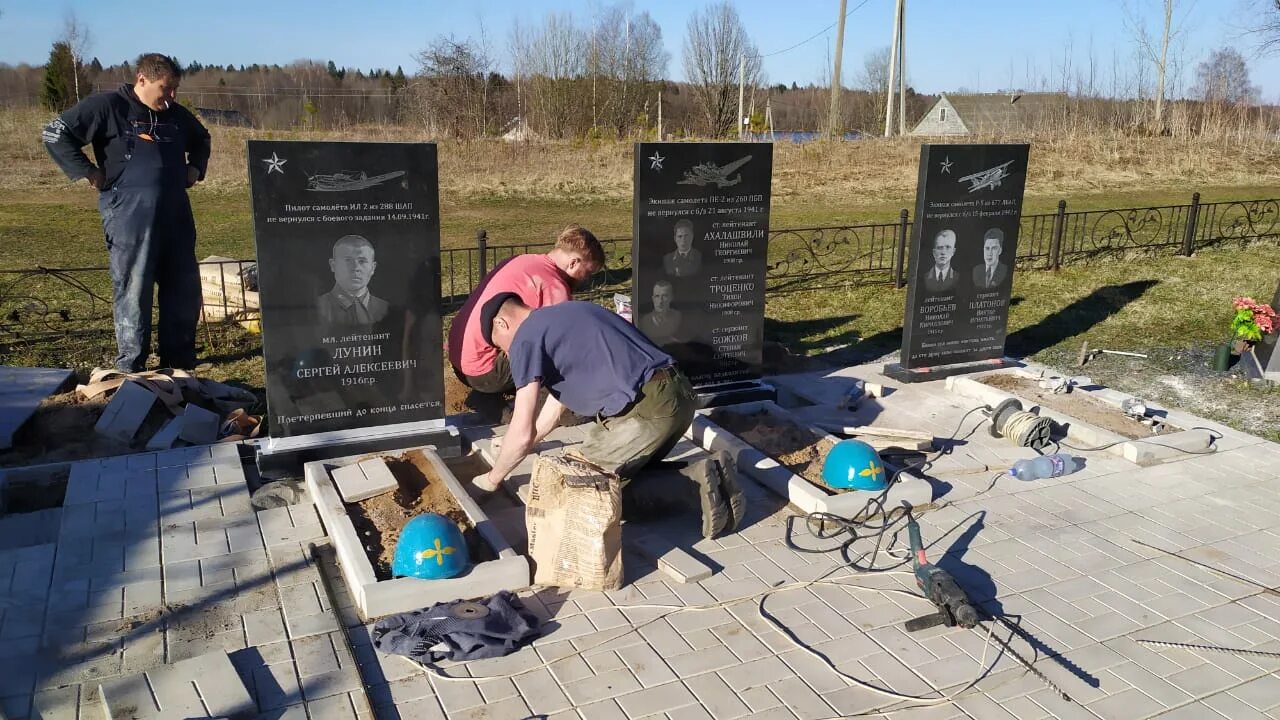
x=646 y=430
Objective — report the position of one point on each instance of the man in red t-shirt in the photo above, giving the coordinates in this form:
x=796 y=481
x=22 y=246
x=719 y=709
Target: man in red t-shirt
x=539 y=280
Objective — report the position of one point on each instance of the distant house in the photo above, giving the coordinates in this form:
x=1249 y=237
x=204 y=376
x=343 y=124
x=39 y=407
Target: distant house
x=214 y=116
x=988 y=114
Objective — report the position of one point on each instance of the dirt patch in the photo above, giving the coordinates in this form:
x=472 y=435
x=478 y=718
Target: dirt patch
x=379 y=520
x=1076 y=404
x=61 y=429
x=467 y=467
x=25 y=497
x=794 y=447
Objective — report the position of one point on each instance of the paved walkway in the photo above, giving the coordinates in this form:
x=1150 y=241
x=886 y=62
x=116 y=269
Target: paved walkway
x=159 y=558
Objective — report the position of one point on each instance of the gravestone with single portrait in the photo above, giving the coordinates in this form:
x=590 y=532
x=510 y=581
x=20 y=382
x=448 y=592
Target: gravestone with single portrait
x=1262 y=362
x=699 y=256
x=348 y=246
x=963 y=246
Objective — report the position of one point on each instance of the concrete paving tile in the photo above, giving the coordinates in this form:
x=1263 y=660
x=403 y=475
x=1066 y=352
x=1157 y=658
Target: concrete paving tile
x=600 y=687
x=657 y=699
x=648 y=667
x=327 y=684
x=338 y=707
x=1228 y=706
x=541 y=692
x=513 y=708
x=304 y=625
x=716 y=696
x=759 y=700
x=316 y=654
x=1127 y=705
x=702 y=661
x=15 y=706
x=57 y=704
x=801 y=699
x=422 y=709
x=455 y=696
x=276 y=686
x=1261 y=694
x=497 y=689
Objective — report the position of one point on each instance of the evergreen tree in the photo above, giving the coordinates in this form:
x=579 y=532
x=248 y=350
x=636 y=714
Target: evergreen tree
x=95 y=66
x=56 y=93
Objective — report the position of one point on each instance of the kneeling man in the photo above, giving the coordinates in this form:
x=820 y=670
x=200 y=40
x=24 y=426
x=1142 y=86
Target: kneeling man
x=600 y=366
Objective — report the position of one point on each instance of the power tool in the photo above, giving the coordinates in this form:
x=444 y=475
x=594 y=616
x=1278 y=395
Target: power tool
x=938 y=587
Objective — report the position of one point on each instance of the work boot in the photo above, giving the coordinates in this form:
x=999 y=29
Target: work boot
x=716 y=515
x=730 y=488
x=669 y=487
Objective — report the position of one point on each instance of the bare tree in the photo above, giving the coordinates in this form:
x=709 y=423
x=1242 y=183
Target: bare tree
x=1266 y=26
x=453 y=86
x=1223 y=79
x=1157 y=53
x=626 y=61
x=874 y=78
x=715 y=46
x=76 y=36
x=551 y=60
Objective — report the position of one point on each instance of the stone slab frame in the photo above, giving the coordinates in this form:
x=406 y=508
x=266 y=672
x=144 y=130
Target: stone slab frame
x=374 y=598
x=777 y=478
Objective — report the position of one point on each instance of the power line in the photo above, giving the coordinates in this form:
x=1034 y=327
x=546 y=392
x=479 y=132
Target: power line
x=815 y=35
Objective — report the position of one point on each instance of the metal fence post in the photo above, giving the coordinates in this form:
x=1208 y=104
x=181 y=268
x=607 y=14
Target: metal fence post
x=1055 y=244
x=482 y=254
x=1193 y=217
x=900 y=251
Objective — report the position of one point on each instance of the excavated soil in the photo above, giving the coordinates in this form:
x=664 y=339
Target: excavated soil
x=379 y=520
x=1076 y=404
x=795 y=448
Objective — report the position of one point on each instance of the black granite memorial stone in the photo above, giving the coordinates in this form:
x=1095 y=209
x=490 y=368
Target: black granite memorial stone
x=348 y=243
x=965 y=239
x=700 y=254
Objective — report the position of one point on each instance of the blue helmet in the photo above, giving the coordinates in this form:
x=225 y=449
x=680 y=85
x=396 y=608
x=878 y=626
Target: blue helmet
x=854 y=465
x=430 y=547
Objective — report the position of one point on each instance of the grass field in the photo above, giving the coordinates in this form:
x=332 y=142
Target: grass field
x=1174 y=308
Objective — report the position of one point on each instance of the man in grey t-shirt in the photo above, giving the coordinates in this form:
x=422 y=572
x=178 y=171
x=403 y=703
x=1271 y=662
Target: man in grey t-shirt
x=599 y=365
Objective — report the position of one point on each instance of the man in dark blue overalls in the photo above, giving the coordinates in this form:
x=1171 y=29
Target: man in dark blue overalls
x=148 y=150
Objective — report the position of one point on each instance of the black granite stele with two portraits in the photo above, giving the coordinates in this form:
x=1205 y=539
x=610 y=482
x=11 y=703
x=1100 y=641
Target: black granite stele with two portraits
x=700 y=253
x=348 y=244
x=963 y=245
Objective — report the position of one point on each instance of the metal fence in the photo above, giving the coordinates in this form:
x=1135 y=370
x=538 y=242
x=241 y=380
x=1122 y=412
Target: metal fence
x=60 y=307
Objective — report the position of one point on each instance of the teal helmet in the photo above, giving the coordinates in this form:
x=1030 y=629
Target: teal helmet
x=854 y=465
x=431 y=548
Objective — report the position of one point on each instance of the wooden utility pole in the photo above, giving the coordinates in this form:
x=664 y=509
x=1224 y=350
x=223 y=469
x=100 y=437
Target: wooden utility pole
x=893 y=69
x=742 y=83
x=834 y=116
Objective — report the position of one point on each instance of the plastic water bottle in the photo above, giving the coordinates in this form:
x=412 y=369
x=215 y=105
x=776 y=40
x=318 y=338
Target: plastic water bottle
x=1046 y=466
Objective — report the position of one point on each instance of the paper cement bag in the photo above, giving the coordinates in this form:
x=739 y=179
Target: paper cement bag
x=574 y=519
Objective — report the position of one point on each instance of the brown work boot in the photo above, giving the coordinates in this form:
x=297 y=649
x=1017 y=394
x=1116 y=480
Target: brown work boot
x=730 y=488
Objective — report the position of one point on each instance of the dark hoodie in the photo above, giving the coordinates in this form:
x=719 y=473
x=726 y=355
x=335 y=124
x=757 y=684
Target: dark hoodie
x=116 y=124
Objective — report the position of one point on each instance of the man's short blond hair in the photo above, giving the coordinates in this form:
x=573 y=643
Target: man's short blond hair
x=579 y=241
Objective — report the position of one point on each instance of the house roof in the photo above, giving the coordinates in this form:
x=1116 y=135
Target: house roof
x=1001 y=112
